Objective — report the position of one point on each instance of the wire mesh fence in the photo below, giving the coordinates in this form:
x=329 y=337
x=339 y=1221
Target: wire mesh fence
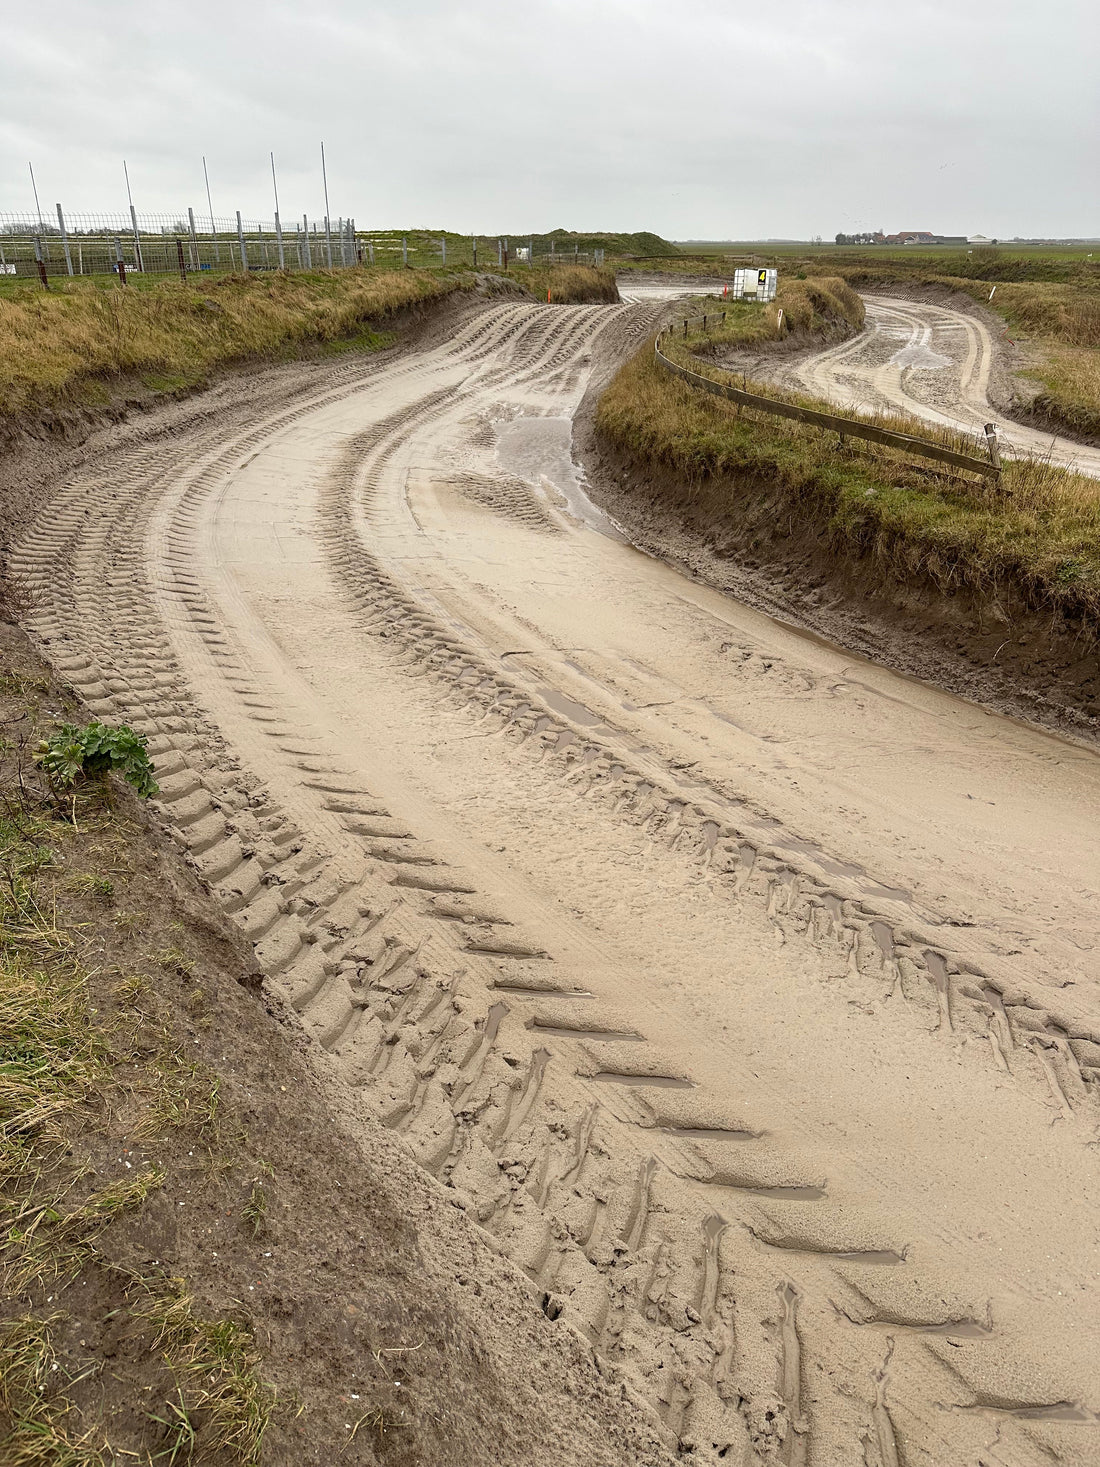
x=41 y=247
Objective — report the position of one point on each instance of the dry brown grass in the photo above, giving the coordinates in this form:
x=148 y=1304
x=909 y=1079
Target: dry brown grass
x=55 y=346
x=568 y=284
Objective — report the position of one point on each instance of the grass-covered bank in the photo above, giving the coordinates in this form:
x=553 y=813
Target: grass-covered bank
x=566 y=285
x=82 y=344
x=1034 y=543
x=804 y=311
x=75 y=343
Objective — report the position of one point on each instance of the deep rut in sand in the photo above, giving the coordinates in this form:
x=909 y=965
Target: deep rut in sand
x=800 y=1138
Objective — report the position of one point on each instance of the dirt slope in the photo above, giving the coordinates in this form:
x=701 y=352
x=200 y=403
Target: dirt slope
x=737 y=989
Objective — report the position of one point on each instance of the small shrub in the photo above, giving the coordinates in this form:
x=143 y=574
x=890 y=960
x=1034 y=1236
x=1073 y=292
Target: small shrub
x=96 y=749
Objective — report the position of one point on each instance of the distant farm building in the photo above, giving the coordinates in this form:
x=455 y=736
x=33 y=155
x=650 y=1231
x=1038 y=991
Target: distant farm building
x=903 y=237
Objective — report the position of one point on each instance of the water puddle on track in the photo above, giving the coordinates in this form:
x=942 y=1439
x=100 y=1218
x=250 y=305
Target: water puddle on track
x=540 y=450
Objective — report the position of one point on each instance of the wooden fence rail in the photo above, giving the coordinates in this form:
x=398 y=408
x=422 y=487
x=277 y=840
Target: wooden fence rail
x=846 y=427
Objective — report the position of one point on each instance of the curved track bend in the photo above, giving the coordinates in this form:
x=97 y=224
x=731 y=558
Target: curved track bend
x=739 y=987
x=932 y=362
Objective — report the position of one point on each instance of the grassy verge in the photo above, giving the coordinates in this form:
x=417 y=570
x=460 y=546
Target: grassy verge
x=75 y=342
x=84 y=345
x=1035 y=539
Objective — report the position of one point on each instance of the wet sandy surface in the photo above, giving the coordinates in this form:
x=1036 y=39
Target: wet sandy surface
x=744 y=991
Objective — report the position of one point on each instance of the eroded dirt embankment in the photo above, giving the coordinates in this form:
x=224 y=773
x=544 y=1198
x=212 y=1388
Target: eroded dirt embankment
x=744 y=536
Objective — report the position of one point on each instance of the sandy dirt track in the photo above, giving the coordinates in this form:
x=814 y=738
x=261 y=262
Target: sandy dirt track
x=932 y=362
x=744 y=989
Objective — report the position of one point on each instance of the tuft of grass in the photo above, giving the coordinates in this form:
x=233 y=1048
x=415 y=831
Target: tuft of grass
x=181 y=1093
x=254 y=1211
x=88 y=884
x=215 y=1365
x=174 y=960
x=33 y=1406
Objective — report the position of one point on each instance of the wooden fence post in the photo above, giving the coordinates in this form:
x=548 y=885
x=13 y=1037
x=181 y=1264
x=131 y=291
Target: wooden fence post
x=992 y=445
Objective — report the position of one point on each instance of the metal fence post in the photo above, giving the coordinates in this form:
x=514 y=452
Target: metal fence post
x=139 y=264
x=194 y=243
x=328 y=241
x=308 y=262
x=279 y=240
x=240 y=241
x=64 y=240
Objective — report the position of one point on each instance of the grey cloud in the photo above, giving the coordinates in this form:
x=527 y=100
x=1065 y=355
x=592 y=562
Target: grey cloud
x=701 y=119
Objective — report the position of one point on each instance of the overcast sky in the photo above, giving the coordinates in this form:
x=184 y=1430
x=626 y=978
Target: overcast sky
x=710 y=119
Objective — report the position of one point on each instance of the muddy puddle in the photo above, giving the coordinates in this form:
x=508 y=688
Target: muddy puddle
x=540 y=450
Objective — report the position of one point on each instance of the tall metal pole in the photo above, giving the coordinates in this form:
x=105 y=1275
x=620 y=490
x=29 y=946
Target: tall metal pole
x=194 y=239
x=210 y=208
x=328 y=228
x=37 y=205
x=278 y=225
